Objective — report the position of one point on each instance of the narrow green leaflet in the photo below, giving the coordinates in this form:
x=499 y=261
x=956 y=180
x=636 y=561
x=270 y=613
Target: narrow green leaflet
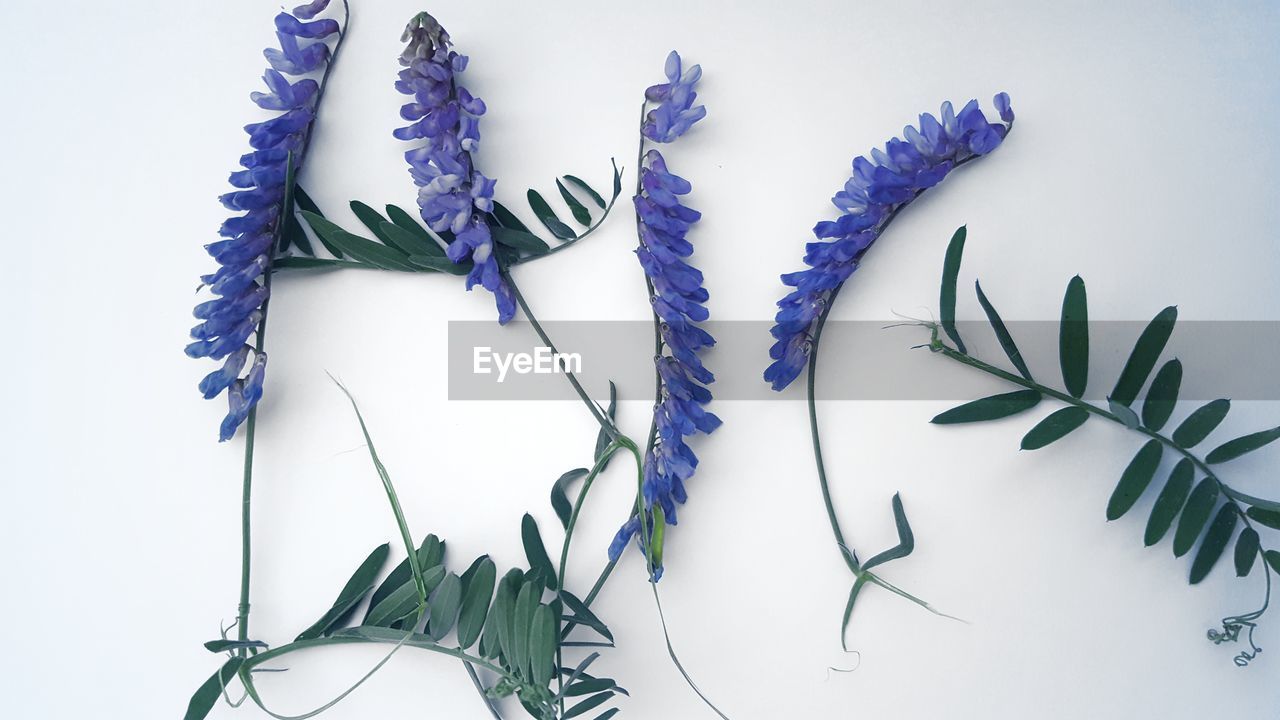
x=573 y=675
x=405 y=221
x=602 y=437
x=1144 y=356
x=1247 y=545
x=1124 y=413
x=587 y=705
x=1056 y=426
x=1233 y=449
x=1163 y=395
x=360 y=249
x=403 y=601
x=444 y=606
x=540 y=566
x=520 y=240
x=588 y=687
x=517 y=653
x=1073 y=338
x=1200 y=423
x=1002 y=333
x=429 y=554
x=1194 y=516
x=582 y=615
x=1269 y=518
x=547 y=216
x=1170 y=502
x=947 y=296
x=542 y=645
x=440 y=264
x=506 y=218
x=591 y=193
x=360 y=584
x=304 y=201
x=294 y=235
x=990 y=408
x=503 y=613
x=1273 y=559
x=1215 y=542
x=906 y=539
x=580 y=211
x=220 y=646
x=410 y=242
x=475 y=602
x=371 y=219
x=1135 y=479
x=560 y=496
x=206 y=696
x=294 y=262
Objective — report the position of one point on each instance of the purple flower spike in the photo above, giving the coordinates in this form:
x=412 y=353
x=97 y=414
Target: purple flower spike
x=678 y=301
x=879 y=188
x=231 y=318
x=453 y=197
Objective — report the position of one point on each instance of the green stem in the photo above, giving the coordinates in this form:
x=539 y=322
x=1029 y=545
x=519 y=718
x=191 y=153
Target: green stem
x=389 y=637
x=577 y=508
x=246 y=549
x=846 y=551
x=479 y=686
x=605 y=423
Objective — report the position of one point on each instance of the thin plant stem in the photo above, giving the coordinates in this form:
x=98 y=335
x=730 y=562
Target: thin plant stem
x=605 y=423
x=479 y=686
x=847 y=552
x=605 y=456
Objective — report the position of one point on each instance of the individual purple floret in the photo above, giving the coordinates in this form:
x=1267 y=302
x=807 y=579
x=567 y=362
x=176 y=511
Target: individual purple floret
x=677 y=301
x=879 y=188
x=452 y=195
x=244 y=255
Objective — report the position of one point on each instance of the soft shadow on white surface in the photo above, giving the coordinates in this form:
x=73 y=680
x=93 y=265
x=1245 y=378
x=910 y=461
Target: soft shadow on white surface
x=1143 y=159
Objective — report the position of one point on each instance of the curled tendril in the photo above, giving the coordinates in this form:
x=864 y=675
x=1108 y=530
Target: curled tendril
x=1231 y=628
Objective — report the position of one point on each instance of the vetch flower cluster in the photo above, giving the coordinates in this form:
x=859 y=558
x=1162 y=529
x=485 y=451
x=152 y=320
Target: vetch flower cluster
x=240 y=284
x=677 y=300
x=454 y=198
x=879 y=188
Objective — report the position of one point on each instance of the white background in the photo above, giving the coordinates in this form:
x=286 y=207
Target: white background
x=1143 y=158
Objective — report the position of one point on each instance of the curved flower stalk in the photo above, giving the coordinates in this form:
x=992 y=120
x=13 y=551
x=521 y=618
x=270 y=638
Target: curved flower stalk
x=453 y=197
x=878 y=190
x=241 y=284
x=677 y=296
